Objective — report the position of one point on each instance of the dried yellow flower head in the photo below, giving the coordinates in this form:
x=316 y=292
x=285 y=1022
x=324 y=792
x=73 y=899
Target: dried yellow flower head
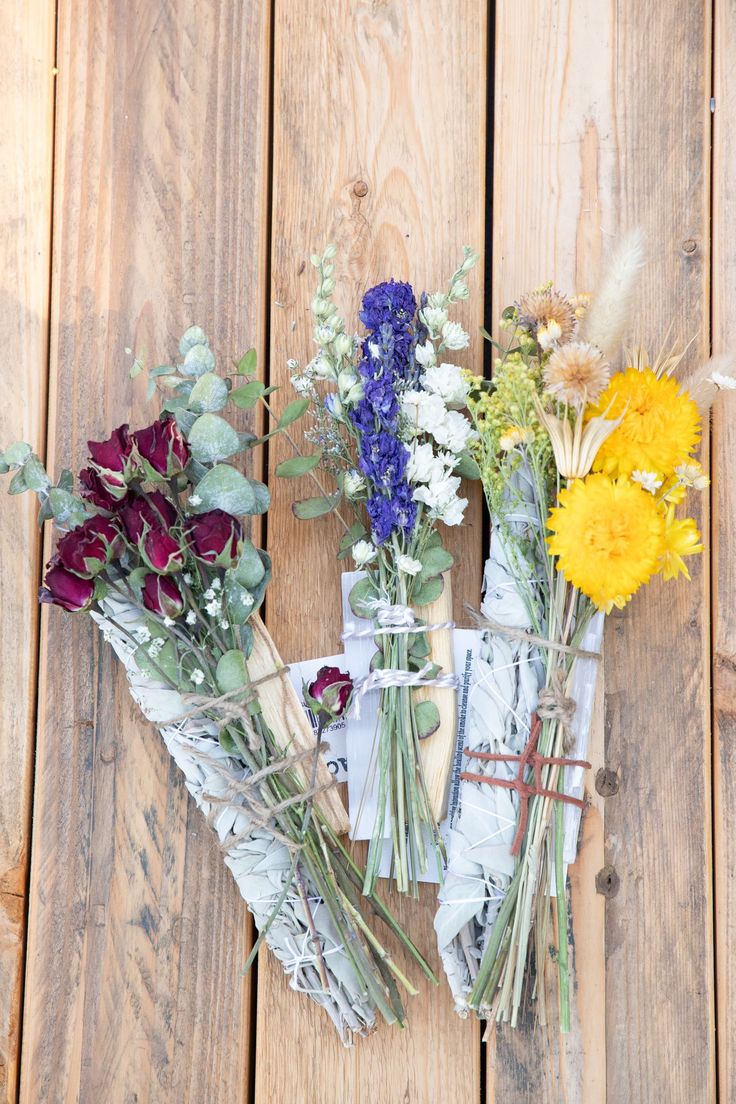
x=549 y=314
x=576 y=374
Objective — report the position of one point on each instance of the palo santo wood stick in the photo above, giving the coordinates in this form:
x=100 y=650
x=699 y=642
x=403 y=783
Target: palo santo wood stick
x=285 y=716
x=438 y=749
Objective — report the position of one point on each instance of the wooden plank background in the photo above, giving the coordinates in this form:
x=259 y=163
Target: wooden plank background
x=168 y=165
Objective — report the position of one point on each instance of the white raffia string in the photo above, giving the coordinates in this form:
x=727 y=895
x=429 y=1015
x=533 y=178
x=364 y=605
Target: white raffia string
x=382 y=678
x=393 y=618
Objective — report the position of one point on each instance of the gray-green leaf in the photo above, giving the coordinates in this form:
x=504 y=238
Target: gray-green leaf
x=210 y=392
x=316 y=507
x=292 y=412
x=247 y=396
x=298 y=465
x=211 y=438
x=427 y=717
x=195 y=335
x=224 y=488
x=198 y=360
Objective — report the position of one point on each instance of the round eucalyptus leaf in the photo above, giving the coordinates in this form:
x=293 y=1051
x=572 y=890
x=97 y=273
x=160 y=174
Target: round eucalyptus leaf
x=211 y=438
x=17 y=454
x=195 y=335
x=250 y=568
x=198 y=360
x=210 y=392
x=224 y=488
x=231 y=671
x=427 y=717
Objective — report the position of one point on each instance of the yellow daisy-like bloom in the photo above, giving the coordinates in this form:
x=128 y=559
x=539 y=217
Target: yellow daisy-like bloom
x=682 y=538
x=608 y=536
x=660 y=424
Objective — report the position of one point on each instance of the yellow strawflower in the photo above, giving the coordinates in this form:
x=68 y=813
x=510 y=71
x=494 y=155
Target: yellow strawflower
x=660 y=424
x=608 y=536
x=681 y=539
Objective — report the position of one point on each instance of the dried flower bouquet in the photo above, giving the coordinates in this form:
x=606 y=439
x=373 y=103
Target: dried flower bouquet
x=153 y=548
x=585 y=470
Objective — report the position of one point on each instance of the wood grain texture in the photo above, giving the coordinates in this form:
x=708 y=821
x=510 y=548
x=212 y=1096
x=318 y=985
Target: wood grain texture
x=379 y=146
x=612 y=105
x=723 y=468
x=137 y=933
x=27 y=41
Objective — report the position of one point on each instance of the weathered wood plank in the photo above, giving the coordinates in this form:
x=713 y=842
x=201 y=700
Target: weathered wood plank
x=137 y=934
x=27 y=40
x=723 y=466
x=379 y=145
x=554 y=210
x=615 y=133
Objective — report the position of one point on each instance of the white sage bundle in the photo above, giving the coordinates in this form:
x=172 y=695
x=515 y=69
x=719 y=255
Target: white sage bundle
x=259 y=858
x=509 y=674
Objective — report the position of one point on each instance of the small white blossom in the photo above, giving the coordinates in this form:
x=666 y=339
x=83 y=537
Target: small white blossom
x=436 y=299
x=324 y=334
x=168 y=622
x=424 y=466
x=224 y=624
x=195 y=500
x=354 y=484
x=187 y=578
x=549 y=335
x=363 y=553
x=409 y=566
x=374 y=349
x=191 y=618
x=343 y=345
x=321 y=368
x=648 y=480
x=292 y=364
x=423 y=411
x=723 y=383
x=454 y=511
x=216 y=584
x=447 y=381
x=692 y=475
x=454 y=336
x=425 y=354
x=454 y=432
x=246 y=599
x=155 y=647
x=438 y=495
x=213 y=607
x=141 y=634
x=209 y=594
x=459 y=291
x=197 y=676
x=434 y=319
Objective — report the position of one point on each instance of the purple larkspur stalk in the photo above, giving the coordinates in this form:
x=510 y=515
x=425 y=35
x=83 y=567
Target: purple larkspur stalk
x=388 y=314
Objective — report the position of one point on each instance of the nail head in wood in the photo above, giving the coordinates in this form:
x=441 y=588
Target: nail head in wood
x=607 y=882
x=606 y=782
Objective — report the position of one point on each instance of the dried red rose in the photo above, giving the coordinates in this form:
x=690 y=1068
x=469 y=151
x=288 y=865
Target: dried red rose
x=113 y=462
x=162 y=447
x=87 y=549
x=63 y=588
x=161 y=551
x=215 y=538
x=154 y=510
x=161 y=595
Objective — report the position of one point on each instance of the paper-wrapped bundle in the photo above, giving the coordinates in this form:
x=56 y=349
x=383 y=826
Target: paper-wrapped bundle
x=509 y=675
x=260 y=861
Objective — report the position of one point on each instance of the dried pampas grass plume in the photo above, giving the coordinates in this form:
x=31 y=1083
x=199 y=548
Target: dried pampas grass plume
x=610 y=312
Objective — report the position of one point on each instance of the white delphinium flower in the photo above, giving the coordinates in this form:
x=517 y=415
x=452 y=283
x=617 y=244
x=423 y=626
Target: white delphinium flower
x=195 y=500
x=648 y=480
x=408 y=565
x=423 y=411
x=454 y=432
x=434 y=319
x=424 y=465
x=321 y=367
x=191 y=618
x=454 y=336
x=425 y=354
x=447 y=381
x=454 y=511
x=342 y=345
x=197 y=676
x=354 y=484
x=438 y=494
x=363 y=553
x=458 y=292
x=723 y=383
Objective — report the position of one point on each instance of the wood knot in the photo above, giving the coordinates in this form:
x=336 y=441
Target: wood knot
x=606 y=782
x=607 y=882
x=689 y=245
x=360 y=188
